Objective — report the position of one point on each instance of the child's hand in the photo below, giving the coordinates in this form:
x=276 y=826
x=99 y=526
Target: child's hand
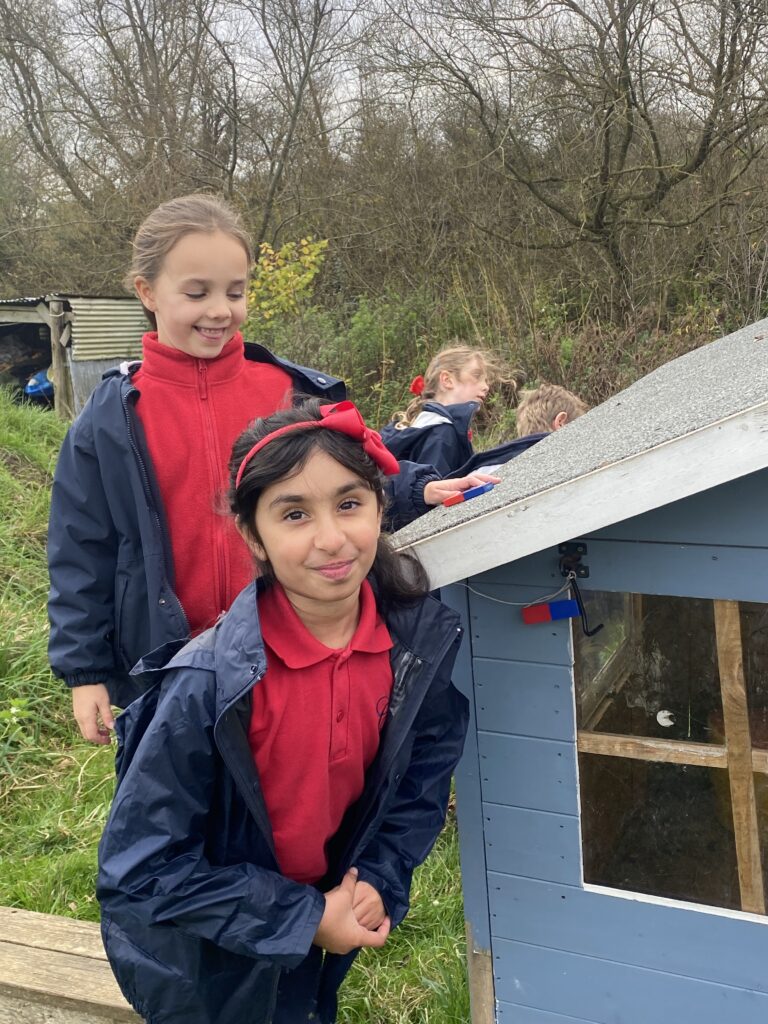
x=93 y=712
x=339 y=930
x=368 y=907
x=436 y=491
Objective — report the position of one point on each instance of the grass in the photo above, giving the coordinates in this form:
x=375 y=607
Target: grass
x=55 y=789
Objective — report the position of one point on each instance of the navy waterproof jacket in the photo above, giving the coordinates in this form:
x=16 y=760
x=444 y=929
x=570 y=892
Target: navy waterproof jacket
x=198 y=923
x=491 y=459
x=112 y=596
x=440 y=435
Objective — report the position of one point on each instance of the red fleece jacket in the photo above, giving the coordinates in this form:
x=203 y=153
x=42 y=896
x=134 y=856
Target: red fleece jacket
x=191 y=411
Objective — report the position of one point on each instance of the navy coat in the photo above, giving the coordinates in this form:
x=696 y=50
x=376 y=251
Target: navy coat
x=112 y=596
x=440 y=435
x=198 y=923
x=491 y=459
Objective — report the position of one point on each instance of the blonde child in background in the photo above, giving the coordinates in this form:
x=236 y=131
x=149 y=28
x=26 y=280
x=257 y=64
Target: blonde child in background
x=547 y=408
x=436 y=428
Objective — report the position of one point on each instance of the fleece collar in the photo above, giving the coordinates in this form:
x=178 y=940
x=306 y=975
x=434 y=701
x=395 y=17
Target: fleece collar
x=175 y=367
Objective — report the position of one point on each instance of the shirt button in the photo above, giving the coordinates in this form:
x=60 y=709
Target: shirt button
x=339 y=715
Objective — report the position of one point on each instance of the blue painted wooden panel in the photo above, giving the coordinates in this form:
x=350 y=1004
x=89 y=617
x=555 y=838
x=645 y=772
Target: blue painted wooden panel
x=535 y=844
x=540 y=570
x=608 y=992
x=686 y=570
x=727 y=950
x=513 y=1013
x=524 y=698
x=724 y=515
x=735 y=574
x=498 y=630
x=468 y=793
x=522 y=772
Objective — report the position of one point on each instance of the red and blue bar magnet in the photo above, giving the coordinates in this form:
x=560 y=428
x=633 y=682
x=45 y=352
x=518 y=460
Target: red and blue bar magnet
x=550 y=612
x=471 y=492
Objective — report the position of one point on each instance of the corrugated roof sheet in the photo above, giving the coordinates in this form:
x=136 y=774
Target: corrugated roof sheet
x=106 y=328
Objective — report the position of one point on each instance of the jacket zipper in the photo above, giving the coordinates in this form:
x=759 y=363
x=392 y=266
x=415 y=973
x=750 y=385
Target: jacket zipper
x=385 y=767
x=213 y=463
x=258 y=809
x=150 y=502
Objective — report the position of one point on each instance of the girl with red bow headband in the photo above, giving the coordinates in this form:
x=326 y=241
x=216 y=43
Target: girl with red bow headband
x=301 y=751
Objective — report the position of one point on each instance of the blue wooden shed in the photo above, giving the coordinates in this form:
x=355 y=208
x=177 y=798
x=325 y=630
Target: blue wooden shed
x=613 y=795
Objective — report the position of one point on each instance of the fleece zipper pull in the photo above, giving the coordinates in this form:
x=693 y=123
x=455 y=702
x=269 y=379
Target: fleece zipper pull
x=202 y=378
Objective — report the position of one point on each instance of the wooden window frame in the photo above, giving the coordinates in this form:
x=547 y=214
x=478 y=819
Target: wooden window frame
x=736 y=754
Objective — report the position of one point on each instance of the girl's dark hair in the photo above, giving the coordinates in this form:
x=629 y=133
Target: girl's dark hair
x=398 y=577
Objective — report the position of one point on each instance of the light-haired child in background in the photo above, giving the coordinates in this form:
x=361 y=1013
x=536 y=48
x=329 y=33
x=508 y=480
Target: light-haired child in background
x=436 y=428
x=546 y=408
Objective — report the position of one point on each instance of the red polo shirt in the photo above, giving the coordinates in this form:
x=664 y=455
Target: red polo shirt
x=315 y=726
x=192 y=410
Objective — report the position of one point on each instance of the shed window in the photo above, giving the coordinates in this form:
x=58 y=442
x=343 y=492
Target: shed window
x=672 y=712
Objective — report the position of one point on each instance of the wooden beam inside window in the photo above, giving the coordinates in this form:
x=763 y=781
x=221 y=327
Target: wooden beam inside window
x=643 y=748
x=740 y=758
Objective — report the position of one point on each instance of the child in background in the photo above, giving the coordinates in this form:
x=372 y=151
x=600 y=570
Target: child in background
x=137 y=554
x=295 y=760
x=436 y=426
x=547 y=408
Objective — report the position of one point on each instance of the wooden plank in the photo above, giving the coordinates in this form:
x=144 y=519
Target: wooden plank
x=739 y=744
x=642 y=748
x=498 y=630
x=480 y=974
x=79 y=984
x=514 y=1013
x=469 y=811
x=22 y=1011
x=50 y=931
x=524 y=698
x=62 y=386
x=677 y=570
x=535 y=844
x=517 y=771
x=723 y=948
x=760 y=761
x=608 y=992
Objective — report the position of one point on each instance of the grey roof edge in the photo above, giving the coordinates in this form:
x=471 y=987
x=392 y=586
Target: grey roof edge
x=579 y=506
x=696 y=391
x=575 y=507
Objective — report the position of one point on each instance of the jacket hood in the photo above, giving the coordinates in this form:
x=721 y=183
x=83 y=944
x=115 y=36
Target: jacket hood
x=460 y=416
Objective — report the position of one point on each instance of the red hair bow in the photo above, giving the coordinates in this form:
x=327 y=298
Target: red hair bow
x=345 y=418
x=417 y=385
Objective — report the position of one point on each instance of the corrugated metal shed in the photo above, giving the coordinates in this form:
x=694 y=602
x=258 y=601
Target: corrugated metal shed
x=106 y=328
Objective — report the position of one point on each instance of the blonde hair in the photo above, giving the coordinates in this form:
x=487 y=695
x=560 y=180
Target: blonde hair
x=169 y=223
x=539 y=407
x=451 y=360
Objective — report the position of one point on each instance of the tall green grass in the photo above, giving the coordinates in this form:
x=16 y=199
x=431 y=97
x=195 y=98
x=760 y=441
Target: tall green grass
x=55 y=789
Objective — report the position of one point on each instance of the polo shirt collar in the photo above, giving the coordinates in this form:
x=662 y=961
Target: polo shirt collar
x=289 y=638
x=175 y=367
